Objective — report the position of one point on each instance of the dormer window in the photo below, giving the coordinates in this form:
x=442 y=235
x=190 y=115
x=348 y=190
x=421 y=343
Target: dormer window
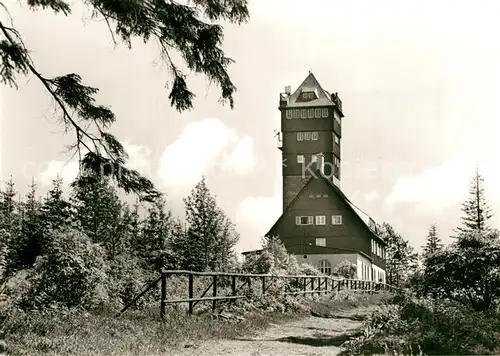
x=308 y=95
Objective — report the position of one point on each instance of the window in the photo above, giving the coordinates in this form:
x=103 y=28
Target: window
x=289 y=114
x=317 y=113
x=307 y=136
x=311 y=196
x=304 y=220
x=325 y=195
x=324 y=112
x=300 y=159
x=312 y=96
x=303 y=113
x=310 y=113
x=336 y=116
x=337 y=220
x=296 y=113
x=318 y=196
x=305 y=95
x=336 y=161
x=336 y=139
x=321 y=241
x=320 y=220
x=300 y=136
x=324 y=266
x=314 y=135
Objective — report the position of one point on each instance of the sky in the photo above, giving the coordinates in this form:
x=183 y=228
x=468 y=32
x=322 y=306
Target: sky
x=419 y=82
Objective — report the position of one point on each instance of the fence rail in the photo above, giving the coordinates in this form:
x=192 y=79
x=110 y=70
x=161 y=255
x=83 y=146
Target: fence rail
x=291 y=285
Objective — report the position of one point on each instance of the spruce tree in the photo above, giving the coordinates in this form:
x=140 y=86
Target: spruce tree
x=56 y=210
x=190 y=30
x=476 y=209
x=210 y=236
x=98 y=211
x=433 y=242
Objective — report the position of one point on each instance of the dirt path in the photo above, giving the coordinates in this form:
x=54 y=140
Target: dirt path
x=307 y=337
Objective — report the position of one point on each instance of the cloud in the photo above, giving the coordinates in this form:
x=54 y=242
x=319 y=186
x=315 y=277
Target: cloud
x=440 y=187
x=67 y=171
x=139 y=158
x=207 y=147
x=373 y=195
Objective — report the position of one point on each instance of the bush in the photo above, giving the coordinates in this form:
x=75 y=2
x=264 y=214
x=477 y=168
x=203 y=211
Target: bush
x=416 y=326
x=69 y=274
x=345 y=269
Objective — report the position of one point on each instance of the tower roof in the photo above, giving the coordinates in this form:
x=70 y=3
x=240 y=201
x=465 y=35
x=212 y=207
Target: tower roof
x=310 y=84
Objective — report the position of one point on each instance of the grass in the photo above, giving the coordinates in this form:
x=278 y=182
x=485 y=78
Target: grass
x=142 y=333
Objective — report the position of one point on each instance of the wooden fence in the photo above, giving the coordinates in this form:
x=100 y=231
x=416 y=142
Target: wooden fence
x=232 y=286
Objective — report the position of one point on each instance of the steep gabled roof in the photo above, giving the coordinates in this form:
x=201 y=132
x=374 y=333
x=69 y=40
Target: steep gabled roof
x=310 y=84
x=363 y=219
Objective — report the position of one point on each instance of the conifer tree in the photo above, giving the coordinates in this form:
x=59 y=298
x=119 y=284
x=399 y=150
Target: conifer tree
x=8 y=211
x=476 y=209
x=400 y=256
x=433 y=242
x=191 y=30
x=210 y=236
x=97 y=210
x=56 y=210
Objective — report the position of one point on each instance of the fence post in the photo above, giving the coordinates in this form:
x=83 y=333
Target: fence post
x=233 y=285
x=312 y=286
x=163 y=294
x=304 y=285
x=214 y=302
x=263 y=285
x=190 y=293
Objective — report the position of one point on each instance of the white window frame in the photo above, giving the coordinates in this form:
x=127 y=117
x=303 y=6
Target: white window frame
x=289 y=114
x=305 y=95
x=307 y=136
x=300 y=158
x=314 y=135
x=296 y=113
x=324 y=112
x=321 y=241
x=303 y=113
x=298 y=221
x=300 y=136
x=317 y=113
x=320 y=219
x=336 y=161
x=336 y=219
x=311 y=95
x=336 y=139
x=310 y=113
x=336 y=116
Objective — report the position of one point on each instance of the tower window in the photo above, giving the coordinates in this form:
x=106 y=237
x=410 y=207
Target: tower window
x=314 y=135
x=303 y=114
x=304 y=220
x=289 y=114
x=311 y=96
x=317 y=113
x=336 y=161
x=320 y=220
x=337 y=220
x=324 y=266
x=336 y=139
x=324 y=112
x=307 y=136
x=336 y=116
x=321 y=241
x=296 y=113
x=300 y=159
x=300 y=136
x=310 y=113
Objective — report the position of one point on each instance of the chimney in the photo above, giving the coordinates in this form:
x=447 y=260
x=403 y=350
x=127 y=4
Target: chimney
x=288 y=89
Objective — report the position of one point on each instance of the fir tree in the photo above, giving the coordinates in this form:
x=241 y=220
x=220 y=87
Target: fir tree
x=191 y=30
x=56 y=211
x=433 y=242
x=476 y=209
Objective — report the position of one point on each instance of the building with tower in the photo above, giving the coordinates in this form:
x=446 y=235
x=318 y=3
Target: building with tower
x=319 y=224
